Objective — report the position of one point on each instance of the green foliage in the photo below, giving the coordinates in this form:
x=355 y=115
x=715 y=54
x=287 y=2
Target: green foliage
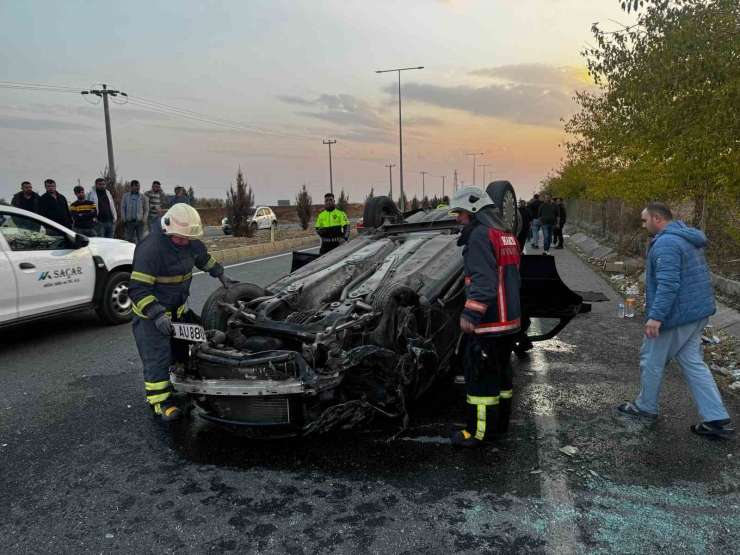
x=191 y=196
x=209 y=203
x=415 y=204
x=665 y=123
x=303 y=204
x=238 y=205
x=436 y=201
x=343 y=201
x=370 y=195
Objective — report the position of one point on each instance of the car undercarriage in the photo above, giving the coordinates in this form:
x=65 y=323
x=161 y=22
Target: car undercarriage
x=363 y=330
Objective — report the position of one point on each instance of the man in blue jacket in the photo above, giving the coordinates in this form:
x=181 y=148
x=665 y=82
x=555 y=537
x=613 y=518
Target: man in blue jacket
x=679 y=303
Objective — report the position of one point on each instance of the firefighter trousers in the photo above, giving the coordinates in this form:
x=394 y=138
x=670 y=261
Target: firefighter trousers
x=488 y=384
x=158 y=352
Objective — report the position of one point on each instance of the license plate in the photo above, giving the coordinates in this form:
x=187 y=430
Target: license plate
x=189 y=332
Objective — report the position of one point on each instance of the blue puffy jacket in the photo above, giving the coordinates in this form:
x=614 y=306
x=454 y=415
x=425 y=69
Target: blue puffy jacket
x=679 y=289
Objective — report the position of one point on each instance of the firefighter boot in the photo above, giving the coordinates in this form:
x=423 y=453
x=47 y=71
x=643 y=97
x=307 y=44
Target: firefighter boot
x=167 y=410
x=464 y=439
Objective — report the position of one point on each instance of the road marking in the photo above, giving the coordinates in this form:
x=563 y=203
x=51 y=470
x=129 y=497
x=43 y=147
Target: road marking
x=564 y=537
x=260 y=259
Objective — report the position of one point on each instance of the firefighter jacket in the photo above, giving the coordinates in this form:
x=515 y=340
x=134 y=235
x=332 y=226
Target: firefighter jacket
x=332 y=225
x=162 y=273
x=491 y=259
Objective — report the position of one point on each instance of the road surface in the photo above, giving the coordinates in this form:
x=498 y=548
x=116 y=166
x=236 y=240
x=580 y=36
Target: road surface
x=84 y=468
x=216 y=231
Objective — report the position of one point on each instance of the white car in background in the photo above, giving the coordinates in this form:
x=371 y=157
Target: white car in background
x=49 y=270
x=261 y=217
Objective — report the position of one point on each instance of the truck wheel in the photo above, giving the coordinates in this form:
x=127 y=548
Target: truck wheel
x=213 y=317
x=378 y=210
x=115 y=305
x=503 y=196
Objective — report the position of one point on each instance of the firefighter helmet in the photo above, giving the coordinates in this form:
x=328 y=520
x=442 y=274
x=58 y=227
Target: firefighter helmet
x=469 y=199
x=183 y=221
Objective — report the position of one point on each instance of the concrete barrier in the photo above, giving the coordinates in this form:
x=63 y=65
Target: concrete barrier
x=230 y=254
x=245 y=252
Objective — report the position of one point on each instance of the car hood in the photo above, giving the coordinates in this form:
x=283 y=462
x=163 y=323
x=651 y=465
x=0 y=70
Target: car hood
x=114 y=252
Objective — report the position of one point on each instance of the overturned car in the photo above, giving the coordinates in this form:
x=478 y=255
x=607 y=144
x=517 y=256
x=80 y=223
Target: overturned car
x=363 y=330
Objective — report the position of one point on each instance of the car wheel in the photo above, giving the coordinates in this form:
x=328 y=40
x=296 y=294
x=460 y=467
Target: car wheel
x=378 y=210
x=213 y=317
x=503 y=196
x=115 y=305
x=227 y=232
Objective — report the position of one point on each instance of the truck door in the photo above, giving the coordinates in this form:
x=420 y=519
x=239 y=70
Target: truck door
x=50 y=274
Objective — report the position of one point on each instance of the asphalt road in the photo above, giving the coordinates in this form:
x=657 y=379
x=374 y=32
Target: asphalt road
x=216 y=231
x=84 y=468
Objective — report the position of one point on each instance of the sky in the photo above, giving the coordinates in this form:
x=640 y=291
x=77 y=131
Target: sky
x=498 y=77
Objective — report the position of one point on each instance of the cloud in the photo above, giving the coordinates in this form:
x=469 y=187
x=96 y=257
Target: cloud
x=526 y=104
x=32 y=124
x=295 y=100
x=566 y=78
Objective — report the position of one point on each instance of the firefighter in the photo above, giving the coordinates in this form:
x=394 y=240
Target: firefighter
x=332 y=225
x=159 y=289
x=491 y=315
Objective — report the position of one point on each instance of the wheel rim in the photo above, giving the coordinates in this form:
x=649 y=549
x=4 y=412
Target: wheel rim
x=120 y=301
x=509 y=210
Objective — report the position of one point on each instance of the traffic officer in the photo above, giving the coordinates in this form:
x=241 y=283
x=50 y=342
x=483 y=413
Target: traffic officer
x=491 y=314
x=445 y=202
x=159 y=289
x=332 y=225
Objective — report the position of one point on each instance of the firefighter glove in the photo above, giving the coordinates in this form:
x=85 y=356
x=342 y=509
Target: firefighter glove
x=164 y=324
x=226 y=281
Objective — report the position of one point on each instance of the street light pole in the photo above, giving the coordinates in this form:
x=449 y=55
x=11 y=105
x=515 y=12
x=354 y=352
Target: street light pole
x=400 y=132
x=331 y=178
x=423 y=189
x=390 y=176
x=484 y=166
x=443 y=185
x=474 y=154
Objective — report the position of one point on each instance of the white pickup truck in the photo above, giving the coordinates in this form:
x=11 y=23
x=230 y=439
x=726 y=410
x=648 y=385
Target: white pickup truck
x=49 y=270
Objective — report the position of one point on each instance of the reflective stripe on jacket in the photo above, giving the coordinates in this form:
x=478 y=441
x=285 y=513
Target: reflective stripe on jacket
x=491 y=260
x=332 y=225
x=162 y=273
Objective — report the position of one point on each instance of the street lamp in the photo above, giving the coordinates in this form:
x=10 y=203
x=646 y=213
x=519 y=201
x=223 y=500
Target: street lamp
x=474 y=154
x=400 y=133
x=484 y=166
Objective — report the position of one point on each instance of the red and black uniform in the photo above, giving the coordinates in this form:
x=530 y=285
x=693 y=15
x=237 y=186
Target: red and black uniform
x=491 y=258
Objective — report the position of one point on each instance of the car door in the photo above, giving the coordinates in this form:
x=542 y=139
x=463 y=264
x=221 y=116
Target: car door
x=50 y=274
x=9 y=289
x=261 y=220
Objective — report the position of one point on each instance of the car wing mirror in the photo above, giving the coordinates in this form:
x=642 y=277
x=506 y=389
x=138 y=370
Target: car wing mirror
x=80 y=241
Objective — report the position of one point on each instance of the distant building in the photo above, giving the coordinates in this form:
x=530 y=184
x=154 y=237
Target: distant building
x=284 y=203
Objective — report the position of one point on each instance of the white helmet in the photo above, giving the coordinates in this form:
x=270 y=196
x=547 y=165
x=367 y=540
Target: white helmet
x=184 y=221
x=469 y=199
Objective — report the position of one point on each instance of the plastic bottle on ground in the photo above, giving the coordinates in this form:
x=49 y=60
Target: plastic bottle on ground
x=629 y=307
x=621 y=310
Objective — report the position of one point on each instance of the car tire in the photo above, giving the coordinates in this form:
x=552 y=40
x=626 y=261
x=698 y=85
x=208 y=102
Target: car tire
x=213 y=317
x=227 y=232
x=504 y=197
x=378 y=210
x=116 y=307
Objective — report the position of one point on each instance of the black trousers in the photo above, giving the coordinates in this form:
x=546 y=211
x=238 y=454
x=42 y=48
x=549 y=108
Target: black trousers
x=488 y=384
x=557 y=235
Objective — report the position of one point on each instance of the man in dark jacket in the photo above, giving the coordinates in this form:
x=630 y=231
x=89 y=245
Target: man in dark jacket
x=558 y=233
x=84 y=214
x=159 y=289
x=26 y=199
x=526 y=215
x=491 y=315
x=54 y=206
x=534 y=208
x=549 y=217
x=680 y=301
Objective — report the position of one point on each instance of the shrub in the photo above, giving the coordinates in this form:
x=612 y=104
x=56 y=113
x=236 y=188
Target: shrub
x=238 y=206
x=343 y=201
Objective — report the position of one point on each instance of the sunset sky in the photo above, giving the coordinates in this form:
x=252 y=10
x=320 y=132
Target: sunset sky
x=498 y=77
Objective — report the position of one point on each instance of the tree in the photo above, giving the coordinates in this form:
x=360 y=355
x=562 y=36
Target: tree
x=191 y=196
x=370 y=195
x=436 y=201
x=239 y=205
x=210 y=203
x=415 y=204
x=425 y=203
x=343 y=201
x=303 y=204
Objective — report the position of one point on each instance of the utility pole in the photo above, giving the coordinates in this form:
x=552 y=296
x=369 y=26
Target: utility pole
x=423 y=189
x=484 y=166
x=400 y=134
x=454 y=185
x=462 y=183
x=390 y=176
x=108 y=135
x=331 y=178
x=443 y=185
x=474 y=154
